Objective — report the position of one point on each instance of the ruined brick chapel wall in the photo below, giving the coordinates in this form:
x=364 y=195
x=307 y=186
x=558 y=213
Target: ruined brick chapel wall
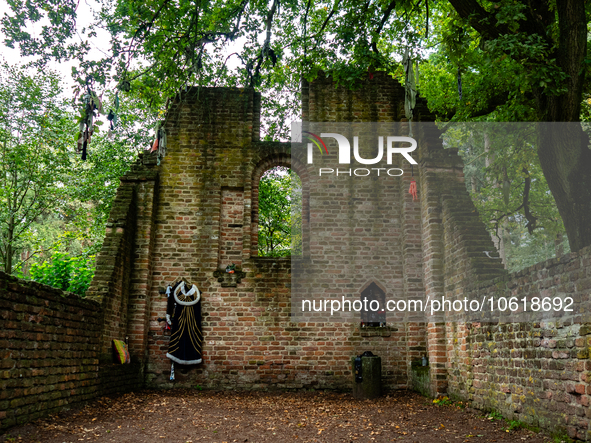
x=196 y=212
x=207 y=218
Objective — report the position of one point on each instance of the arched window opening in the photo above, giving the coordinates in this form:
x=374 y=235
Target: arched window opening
x=280 y=213
x=373 y=300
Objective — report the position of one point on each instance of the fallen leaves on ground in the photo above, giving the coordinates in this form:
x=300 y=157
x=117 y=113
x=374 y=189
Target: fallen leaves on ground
x=191 y=416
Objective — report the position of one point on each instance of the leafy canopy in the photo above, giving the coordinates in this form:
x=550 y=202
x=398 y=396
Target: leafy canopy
x=52 y=204
x=478 y=60
x=34 y=160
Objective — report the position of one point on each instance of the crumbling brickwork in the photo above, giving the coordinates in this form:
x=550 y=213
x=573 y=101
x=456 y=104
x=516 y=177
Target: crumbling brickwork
x=537 y=372
x=49 y=352
x=197 y=211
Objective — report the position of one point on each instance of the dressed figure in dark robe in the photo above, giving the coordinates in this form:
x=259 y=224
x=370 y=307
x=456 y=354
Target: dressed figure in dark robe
x=183 y=314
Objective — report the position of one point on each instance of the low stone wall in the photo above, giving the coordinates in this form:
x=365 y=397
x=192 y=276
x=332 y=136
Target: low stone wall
x=536 y=372
x=49 y=352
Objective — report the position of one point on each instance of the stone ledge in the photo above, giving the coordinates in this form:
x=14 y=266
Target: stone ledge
x=229 y=280
x=375 y=331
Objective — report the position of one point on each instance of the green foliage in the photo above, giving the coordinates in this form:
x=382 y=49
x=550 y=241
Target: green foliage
x=511 y=424
x=508 y=187
x=518 y=424
x=561 y=437
x=494 y=415
x=158 y=47
x=500 y=76
x=94 y=182
x=63 y=271
x=34 y=157
x=510 y=56
x=50 y=200
x=279 y=213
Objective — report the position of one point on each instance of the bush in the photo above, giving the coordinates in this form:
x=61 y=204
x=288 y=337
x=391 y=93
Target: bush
x=65 y=272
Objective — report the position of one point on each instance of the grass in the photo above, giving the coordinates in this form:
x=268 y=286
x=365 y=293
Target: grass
x=446 y=401
x=561 y=437
x=557 y=437
x=512 y=424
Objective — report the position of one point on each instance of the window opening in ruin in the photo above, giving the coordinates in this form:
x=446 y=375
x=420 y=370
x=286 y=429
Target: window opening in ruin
x=373 y=314
x=280 y=213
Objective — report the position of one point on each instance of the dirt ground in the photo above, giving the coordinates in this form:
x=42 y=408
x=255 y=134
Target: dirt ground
x=208 y=416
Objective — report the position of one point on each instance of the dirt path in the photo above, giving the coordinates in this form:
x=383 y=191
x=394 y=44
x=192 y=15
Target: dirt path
x=206 y=416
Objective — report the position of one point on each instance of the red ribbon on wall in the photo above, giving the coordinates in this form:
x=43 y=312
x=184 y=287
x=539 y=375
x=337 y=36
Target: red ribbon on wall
x=413 y=189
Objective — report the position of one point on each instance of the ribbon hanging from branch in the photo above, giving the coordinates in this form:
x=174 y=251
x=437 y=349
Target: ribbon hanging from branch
x=91 y=103
x=410 y=89
x=160 y=142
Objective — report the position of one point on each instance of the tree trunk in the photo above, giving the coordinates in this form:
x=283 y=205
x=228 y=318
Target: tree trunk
x=563 y=149
x=564 y=155
x=566 y=162
x=9 y=248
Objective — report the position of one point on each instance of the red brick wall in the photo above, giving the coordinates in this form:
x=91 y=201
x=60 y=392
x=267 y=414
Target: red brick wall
x=111 y=283
x=453 y=241
x=49 y=352
x=206 y=218
x=197 y=212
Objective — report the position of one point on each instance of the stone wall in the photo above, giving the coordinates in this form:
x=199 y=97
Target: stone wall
x=537 y=372
x=49 y=352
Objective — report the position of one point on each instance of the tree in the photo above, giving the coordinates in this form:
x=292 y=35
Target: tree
x=94 y=182
x=279 y=213
x=550 y=45
x=508 y=187
x=529 y=59
x=34 y=159
x=52 y=202
x=66 y=272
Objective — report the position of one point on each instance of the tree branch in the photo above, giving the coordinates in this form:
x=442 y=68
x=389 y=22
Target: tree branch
x=386 y=16
x=479 y=19
x=265 y=49
x=319 y=33
x=531 y=219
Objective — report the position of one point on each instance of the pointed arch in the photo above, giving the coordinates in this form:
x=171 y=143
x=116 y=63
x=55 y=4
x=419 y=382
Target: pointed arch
x=371 y=293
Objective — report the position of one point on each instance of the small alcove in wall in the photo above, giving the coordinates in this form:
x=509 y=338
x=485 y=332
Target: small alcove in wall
x=373 y=296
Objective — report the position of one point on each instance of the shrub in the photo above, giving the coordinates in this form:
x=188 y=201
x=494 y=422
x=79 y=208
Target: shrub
x=65 y=272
